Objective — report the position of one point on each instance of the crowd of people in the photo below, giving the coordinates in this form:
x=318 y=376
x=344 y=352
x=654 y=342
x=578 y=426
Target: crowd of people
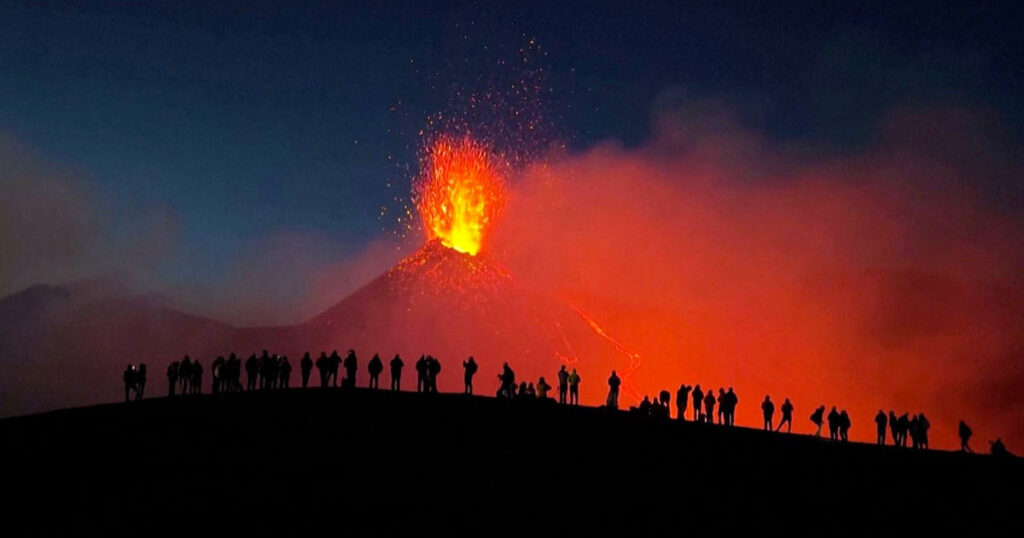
x=267 y=372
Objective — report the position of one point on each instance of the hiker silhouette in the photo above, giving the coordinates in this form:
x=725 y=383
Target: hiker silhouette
x=251 y=367
x=574 y=388
x=322 y=366
x=894 y=428
x=833 y=424
x=333 y=363
x=469 y=368
x=172 y=377
x=563 y=384
x=709 y=407
x=682 y=399
x=698 y=403
x=507 y=379
x=844 y=425
x=396 y=372
x=965 y=435
x=433 y=369
x=768 y=410
x=787 y=416
x=421 y=373
x=305 y=368
x=881 y=421
x=613 y=391
x=374 y=368
x=542 y=388
x=285 y=372
x=351 y=366
x=817 y=417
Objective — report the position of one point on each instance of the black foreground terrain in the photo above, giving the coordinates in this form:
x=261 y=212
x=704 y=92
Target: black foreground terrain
x=379 y=463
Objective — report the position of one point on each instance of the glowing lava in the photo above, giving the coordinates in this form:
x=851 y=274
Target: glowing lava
x=460 y=193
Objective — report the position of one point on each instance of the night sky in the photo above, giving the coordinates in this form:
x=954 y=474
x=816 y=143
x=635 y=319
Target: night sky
x=243 y=119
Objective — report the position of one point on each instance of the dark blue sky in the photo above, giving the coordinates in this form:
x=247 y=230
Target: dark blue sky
x=245 y=118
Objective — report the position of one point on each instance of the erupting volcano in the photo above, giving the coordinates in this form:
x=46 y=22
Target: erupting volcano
x=460 y=192
x=452 y=299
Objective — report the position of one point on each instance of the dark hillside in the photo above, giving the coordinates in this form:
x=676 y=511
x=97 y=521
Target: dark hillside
x=334 y=461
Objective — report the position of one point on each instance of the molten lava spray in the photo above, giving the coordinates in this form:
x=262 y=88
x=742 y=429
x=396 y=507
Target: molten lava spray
x=460 y=193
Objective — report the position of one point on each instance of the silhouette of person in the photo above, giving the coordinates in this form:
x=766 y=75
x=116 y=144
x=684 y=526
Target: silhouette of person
x=997 y=448
x=351 y=365
x=129 y=381
x=396 y=372
x=140 y=380
x=915 y=432
x=682 y=399
x=333 y=363
x=524 y=390
x=542 y=388
x=374 y=367
x=323 y=366
x=574 y=388
x=698 y=403
x=421 y=373
x=768 y=410
x=844 y=425
x=923 y=426
x=285 y=372
x=817 y=417
x=563 y=384
x=881 y=421
x=665 y=398
x=469 y=368
x=508 y=382
x=730 y=412
x=433 y=369
x=172 y=378
x=833 y=424
x=965 y=435
x=904 y=428
x=722 y=403
x=613 y=391
x=645 y=406
x=217 y=374
x=197 y=377
x=185 y=374
x=251 y=369
x=894 y=428
x=305 y=368
x=709 y=407
x=787 y=416
x=264 y=371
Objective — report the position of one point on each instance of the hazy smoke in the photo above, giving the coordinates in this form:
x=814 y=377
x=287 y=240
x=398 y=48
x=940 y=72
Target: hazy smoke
x=884 y=278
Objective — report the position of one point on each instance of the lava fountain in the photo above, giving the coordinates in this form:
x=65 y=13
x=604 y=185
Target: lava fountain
x=460 y=192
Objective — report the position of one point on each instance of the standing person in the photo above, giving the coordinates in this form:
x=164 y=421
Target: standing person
x=469 y=367
x=542 y=388
x=833 y=424
x=563 y=384
x=351 y=366
x=185 y=374
x=285 y=372
x=421 y=373
x=574 y=388
x=923 y=426
x=965 y=436
x=129 y=381
x=709 y=407
x=682 y=399
x=787 y=416
x=322 y=368
x=172 y=378
x=197 y=377
x=433 y=369
x=333 y=363
x=768 y=410
x=613 y=391
x=306 y=367
x=698 y=402
x=894 y=428
x=818 y=417
x=723 y=404
x=844 y=426
x=508 y=382
x=251 y=367
x=730 y=408
x=396 y=372
x=374 y=367
x=881 y=421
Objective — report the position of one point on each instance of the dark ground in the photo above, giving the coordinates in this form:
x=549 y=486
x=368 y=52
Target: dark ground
x=336 y=461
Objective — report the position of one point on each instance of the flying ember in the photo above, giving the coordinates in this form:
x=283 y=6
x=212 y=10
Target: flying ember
x=460 y=192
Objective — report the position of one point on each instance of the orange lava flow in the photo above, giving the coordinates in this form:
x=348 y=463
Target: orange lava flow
x=634 y=358
x=460 y=193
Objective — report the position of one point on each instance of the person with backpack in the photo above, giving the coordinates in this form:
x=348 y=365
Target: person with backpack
x=374 y=367
x=817 y=417
x=965 y=436
x=563 y=384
